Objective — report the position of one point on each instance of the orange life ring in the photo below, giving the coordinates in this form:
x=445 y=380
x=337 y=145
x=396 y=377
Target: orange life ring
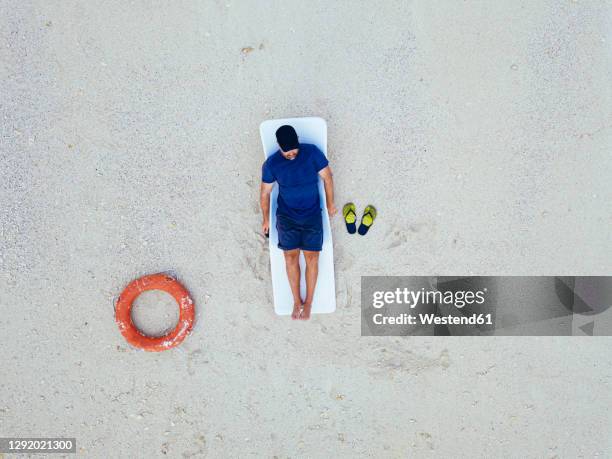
x=134 y=336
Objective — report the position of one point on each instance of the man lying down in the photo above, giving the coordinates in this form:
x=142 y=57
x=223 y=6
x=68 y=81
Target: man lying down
x=296 y=167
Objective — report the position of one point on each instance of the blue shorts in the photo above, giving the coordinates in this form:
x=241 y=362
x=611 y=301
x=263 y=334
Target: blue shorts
x=305 y=235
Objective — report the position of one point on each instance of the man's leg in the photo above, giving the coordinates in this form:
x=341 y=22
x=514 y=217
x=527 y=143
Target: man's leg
x=289 y=235
x=292 y=263
x=312 y=272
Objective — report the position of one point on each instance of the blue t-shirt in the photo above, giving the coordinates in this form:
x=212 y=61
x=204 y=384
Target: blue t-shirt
x=298 y=181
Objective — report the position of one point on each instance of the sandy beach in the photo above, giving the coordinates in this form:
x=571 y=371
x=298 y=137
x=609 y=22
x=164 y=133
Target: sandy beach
x=130 y=145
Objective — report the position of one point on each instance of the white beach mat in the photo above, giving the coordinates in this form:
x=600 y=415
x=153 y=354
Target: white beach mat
x=314 y=131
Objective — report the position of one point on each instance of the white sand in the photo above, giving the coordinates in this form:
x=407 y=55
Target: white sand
x=130 y=145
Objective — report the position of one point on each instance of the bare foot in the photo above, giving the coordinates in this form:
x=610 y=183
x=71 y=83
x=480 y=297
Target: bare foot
x=305 y=315
x=297 y=307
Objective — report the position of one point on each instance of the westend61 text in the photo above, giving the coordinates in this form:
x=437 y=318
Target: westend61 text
x=432 y=319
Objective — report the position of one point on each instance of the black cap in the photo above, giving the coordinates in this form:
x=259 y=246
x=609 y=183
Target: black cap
x=287 y=138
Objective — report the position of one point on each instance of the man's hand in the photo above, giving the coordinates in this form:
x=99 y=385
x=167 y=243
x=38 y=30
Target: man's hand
x=265 y=227
x=331 y=209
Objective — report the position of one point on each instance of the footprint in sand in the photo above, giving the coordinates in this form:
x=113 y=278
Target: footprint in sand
x=397 y=237
x=256 y=255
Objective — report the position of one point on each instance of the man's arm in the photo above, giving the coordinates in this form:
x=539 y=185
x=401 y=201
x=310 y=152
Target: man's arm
x=264 y=201
x=328 y=183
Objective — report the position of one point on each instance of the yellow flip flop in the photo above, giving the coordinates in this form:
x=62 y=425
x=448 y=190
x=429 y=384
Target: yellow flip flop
x=369 y=215
x=348 y=211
